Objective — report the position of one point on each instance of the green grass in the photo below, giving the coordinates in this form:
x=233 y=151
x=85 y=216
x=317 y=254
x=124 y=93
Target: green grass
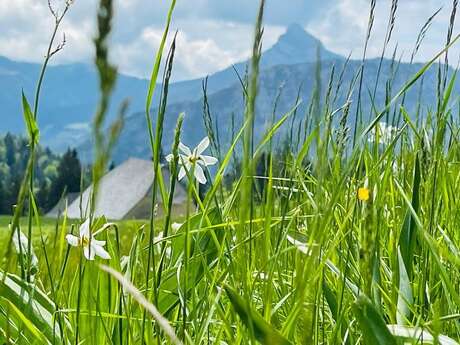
x=302 y=258
x=5 y=220
x=127 y=229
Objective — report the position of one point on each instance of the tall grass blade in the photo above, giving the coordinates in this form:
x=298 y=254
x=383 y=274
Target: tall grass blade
x=263 y=331
x=371 y=323
x=408 y=235
x=137 y=295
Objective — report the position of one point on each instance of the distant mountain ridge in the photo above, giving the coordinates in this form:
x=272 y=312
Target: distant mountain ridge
x=294 y=46
x=70 y=94
x=291 y=80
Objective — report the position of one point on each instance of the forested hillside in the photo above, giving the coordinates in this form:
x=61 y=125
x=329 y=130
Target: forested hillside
x=54 y=174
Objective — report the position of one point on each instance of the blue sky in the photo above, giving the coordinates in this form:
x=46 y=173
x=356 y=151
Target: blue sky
x=214 y=33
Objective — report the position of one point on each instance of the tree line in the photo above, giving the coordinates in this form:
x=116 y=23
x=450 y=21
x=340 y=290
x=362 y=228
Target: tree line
x=54 y=174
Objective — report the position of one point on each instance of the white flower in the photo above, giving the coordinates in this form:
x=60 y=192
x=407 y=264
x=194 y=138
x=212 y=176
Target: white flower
x=386 y=133
x=91 y=246
x=157 y=239
x=176 y=226
x=124 y=261
x=195 y=159
x=160 y=239
x=260 y=275
x=21 y=245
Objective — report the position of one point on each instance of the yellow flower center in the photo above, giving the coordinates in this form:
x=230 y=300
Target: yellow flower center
x=364 y=194
x=193 y=159
x=84 y=241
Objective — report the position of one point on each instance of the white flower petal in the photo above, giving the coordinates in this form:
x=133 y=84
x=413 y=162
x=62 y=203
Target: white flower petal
x=158 y=238
x=182 y=173
x=203 y=145
x=73 y=240
x=103 y=228
x=185 y=149
x=100 y=251
x=84 y=229
x=169 y=158
x=89 y=252
x=124 y=261
x=22 y=243
x=183 y=159
x=199 y=174
x=208 y=160
x=97 y=242
x=176 y=226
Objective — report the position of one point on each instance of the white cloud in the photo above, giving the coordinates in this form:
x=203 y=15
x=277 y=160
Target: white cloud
x=79 y=126
x=213 y=34
x=350 y=18
x=26 y=27
x=200 y=50
x=203 y=46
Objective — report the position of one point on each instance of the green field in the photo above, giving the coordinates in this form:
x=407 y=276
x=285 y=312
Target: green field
x=50 y=229
x=46 y=223
x=350 y=237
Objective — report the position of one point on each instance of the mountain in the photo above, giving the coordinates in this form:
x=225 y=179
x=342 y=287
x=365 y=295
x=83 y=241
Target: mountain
x=70 y=95
x=295 y=46
x=289 y=80
x=68 y=99
x=70 y=92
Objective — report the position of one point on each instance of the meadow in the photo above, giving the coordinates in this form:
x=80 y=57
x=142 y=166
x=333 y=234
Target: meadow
x=353 y=241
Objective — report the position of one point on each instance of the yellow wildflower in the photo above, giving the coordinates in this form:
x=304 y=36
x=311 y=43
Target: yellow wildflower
x=364 y=194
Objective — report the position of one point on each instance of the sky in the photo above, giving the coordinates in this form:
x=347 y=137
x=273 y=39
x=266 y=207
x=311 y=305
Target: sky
x=213 y=34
